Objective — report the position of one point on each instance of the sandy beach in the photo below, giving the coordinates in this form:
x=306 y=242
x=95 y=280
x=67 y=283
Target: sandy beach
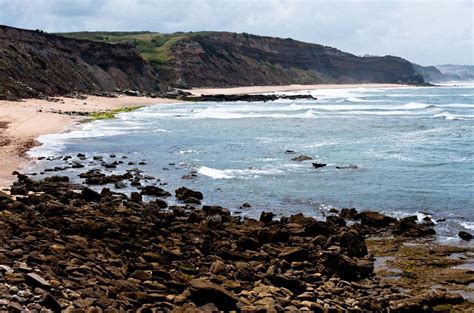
x=22 y=122
x=265 y=89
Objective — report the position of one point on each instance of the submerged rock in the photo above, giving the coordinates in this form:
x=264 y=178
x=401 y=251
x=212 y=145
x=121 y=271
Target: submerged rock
x=302 y=158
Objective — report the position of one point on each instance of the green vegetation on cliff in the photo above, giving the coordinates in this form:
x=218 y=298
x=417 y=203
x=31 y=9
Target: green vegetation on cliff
x=153 y=47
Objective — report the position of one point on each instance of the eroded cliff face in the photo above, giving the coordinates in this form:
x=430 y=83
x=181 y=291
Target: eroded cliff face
x=227 y=59
x=37 y=64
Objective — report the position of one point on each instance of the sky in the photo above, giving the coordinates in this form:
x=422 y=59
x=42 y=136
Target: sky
x=426 y=32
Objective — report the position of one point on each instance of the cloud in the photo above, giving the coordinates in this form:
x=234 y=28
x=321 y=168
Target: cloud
x=426 y=32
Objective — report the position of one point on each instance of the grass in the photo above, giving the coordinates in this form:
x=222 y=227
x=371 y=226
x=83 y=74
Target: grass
x=104 y=115
x=155 y=48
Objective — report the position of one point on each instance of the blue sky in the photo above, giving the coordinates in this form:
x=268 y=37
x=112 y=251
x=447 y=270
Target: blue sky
x=423 y=31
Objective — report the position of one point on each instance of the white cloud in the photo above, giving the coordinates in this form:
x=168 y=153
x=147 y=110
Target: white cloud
x=426 y=32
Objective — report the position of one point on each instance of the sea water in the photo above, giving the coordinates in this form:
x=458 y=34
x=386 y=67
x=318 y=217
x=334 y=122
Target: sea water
x=411 y=150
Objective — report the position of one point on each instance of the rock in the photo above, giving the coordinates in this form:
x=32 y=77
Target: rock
x=317 y=228
x=465 y=235
x=266 y=217
x=353 y=243
x=291 y=283
x=294 y=254
x=136 y=197
x=183 y=193
x=90 y=195
x=319 y=165
x=348 y=213
x=215 y=210
x=246 y=205
x=204 y=292
x=347 y=167
x=375 y=219
x=154 y=191
x=37 y=281
x=217 y=267
x=302 y=158
x=191 y=200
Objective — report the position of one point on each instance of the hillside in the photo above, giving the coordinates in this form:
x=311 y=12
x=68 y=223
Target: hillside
x=37 y=64
x=221 y=59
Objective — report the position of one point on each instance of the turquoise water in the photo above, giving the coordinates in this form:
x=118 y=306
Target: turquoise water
x=413 y=148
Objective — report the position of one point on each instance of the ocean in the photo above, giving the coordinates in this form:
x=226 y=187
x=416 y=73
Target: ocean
x=401 y=151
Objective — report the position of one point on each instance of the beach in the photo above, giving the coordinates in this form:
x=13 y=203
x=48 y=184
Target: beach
x=171 y=207
x=23 y=121
x=286 y=88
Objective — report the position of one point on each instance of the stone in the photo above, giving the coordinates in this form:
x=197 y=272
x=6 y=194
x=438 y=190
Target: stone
x=217 y=267
x=154 y=191
x=302 y=158
x=183 y=193
x=465 y=235
x=204 y=292
x=37 y=281
x=375 y=219
x=266 y=217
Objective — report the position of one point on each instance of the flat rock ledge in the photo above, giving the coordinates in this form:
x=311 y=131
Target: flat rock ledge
x=68 y=248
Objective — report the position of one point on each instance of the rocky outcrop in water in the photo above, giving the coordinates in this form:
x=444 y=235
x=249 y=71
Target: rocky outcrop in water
x=37 y=64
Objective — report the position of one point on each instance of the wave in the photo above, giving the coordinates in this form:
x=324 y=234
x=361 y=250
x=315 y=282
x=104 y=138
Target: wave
x=417 y=105
x=467 y=225
x=237 y=173
x=452 y=117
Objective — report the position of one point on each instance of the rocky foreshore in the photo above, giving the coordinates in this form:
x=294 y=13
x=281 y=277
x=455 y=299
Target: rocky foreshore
x=66 y=247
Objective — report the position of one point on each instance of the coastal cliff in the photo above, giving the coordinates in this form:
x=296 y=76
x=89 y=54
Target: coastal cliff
x=37 y=64
x=222 y=59
x=229 y=59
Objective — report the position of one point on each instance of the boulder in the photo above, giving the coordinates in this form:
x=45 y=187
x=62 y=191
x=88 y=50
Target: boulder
x=465 y=235
x=375 y=219
x=266 y=217
x=203 y=292
x=154 y=191
x=183 y=193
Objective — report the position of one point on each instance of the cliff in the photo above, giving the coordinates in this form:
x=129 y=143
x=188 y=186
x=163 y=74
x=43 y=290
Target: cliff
x=37 y=64
x=221 y=59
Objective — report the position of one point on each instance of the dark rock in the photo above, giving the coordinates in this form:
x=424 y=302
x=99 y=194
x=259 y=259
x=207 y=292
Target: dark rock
x=302 y=158
x=90 y=195
x=51 y=303
x=204 y=292
x=154 y=191
x=291 y=283
x=374 y=219
x=215 y=209
x=347 y=167
x=266 y=217
x=348 y=213
x=319 y=165
x=465 y=235
x=183 y=193
x=37 y=281
x=317 y=228
x=136 y=197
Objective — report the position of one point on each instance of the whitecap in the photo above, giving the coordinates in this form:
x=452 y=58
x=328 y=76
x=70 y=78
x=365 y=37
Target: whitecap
x=467 y=225
x=214 y=173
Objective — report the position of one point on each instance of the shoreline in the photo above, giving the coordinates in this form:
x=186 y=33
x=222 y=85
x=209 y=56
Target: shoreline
x=22 y=122
x=287 y=88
